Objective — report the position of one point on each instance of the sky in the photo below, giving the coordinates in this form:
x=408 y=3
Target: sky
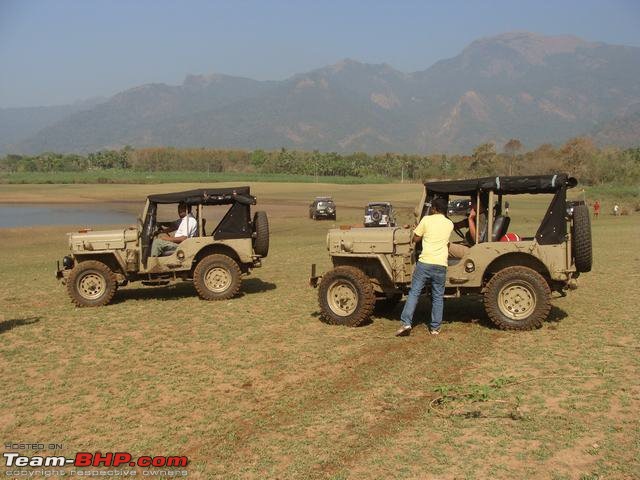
x=58 y=52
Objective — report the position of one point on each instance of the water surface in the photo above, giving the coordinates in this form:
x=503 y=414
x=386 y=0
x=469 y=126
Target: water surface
x=24 y=215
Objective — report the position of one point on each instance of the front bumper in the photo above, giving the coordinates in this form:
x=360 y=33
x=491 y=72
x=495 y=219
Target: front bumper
x=325 y=213
x=63 y=273
x=314 y=279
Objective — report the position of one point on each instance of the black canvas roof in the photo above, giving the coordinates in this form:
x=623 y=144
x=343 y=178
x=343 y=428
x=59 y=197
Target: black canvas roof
x=505 y=185
x=207 y=196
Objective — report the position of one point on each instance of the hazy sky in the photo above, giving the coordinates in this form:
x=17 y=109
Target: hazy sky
x=56 y=52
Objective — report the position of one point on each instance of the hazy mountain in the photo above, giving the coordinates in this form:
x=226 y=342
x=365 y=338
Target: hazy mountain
x=623 y=131
x=516 y=85
x=19 y=124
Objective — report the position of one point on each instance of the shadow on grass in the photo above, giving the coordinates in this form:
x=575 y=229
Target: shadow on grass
x=184 y=290
x=7 y=325
x=256 y=285
x=457 y=310
x=169 y=292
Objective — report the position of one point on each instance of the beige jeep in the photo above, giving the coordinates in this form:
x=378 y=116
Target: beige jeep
x=514 y=278
x=214 y=259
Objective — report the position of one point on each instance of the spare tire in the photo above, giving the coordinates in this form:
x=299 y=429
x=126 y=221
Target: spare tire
x=581 y=239
x=261 y=234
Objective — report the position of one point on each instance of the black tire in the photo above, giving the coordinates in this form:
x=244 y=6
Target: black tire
x=91 y=284
x=581 y=239
x=517 y=298
x=217 y=277
x=346 y=297
x=261 y=229
x=314 y=216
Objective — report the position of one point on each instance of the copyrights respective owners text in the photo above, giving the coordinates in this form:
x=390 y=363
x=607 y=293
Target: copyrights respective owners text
x=24 y=460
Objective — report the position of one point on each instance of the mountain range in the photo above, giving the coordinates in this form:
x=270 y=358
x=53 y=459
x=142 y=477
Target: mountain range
x=538 y=89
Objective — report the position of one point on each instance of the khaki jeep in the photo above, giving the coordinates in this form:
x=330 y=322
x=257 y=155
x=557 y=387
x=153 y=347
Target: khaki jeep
x=515 y=278
x=214 y=259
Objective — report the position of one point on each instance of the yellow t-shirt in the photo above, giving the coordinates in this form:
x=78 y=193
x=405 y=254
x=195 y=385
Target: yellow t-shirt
x=435 y=231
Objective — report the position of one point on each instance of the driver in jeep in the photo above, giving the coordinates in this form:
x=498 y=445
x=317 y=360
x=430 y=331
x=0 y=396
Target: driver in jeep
x=459 y=250
x=188 y=228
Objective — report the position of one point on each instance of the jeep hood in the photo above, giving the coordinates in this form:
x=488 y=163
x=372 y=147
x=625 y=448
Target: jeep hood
x=101 y=239
x=362 y=240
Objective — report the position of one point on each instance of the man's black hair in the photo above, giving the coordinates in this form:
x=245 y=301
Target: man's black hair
x=440 y=205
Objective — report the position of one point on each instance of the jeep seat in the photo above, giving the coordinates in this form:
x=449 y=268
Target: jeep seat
x=500 y=227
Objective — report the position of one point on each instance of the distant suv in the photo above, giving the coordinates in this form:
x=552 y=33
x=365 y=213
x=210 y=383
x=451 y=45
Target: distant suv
x=379 y=214
x=322 y=207
x=214 y=259
x=515 y=278
x=459 y=207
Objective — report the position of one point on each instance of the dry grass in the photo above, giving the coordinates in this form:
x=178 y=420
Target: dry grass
x=258 y=387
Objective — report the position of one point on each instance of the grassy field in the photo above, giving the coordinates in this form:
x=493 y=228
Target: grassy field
x=133 y=176
x=258 y=387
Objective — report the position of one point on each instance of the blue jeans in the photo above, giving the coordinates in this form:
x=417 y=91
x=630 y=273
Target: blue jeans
x=423 y=273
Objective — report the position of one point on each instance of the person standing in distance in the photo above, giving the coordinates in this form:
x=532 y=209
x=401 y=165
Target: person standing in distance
x=434 y=231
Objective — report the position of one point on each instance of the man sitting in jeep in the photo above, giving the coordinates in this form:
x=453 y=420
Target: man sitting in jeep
x=188 y=228
x=459 y=250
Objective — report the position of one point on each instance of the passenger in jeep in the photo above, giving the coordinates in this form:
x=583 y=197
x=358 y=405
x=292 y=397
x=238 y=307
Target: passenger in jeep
x=188 y=228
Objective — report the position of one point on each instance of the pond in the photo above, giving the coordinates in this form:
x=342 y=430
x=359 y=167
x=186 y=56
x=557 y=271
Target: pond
x=25 y=215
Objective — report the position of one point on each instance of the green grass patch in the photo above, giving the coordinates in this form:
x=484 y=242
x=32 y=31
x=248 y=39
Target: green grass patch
x=132 y=176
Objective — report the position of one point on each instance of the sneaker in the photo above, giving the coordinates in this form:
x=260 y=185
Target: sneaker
x=434 y=331
x=403 y=331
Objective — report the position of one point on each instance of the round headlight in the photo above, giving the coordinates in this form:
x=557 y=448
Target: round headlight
x=469 y=266
x=67 y=262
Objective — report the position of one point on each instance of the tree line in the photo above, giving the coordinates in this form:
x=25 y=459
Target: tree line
x=579 y=157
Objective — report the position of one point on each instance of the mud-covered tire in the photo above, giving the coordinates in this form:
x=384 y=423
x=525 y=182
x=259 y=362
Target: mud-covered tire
x=517 y=298
x=91 y=284
x=217 y=277
x=346 y=297
x=261 y=230
x=581 y=239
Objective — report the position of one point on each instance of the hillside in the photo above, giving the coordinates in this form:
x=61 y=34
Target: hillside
x=516 y=85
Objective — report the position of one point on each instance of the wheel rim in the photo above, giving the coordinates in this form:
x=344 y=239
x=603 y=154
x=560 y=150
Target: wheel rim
x=91 y=286
x=218 y=279
x=517 y=300
x=342 y=297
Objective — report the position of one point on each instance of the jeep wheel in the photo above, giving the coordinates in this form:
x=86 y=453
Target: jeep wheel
x=581 y=238
x=346 y=297
x=261 y=230
x=91 y=284
x=217 y=277
x=517 y=298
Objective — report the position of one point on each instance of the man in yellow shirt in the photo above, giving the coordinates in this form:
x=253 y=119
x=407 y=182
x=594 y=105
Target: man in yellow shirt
x=434 y=230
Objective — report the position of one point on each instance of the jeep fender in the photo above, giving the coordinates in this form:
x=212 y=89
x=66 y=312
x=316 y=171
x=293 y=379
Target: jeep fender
x=375 y=266
x=112 y=259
